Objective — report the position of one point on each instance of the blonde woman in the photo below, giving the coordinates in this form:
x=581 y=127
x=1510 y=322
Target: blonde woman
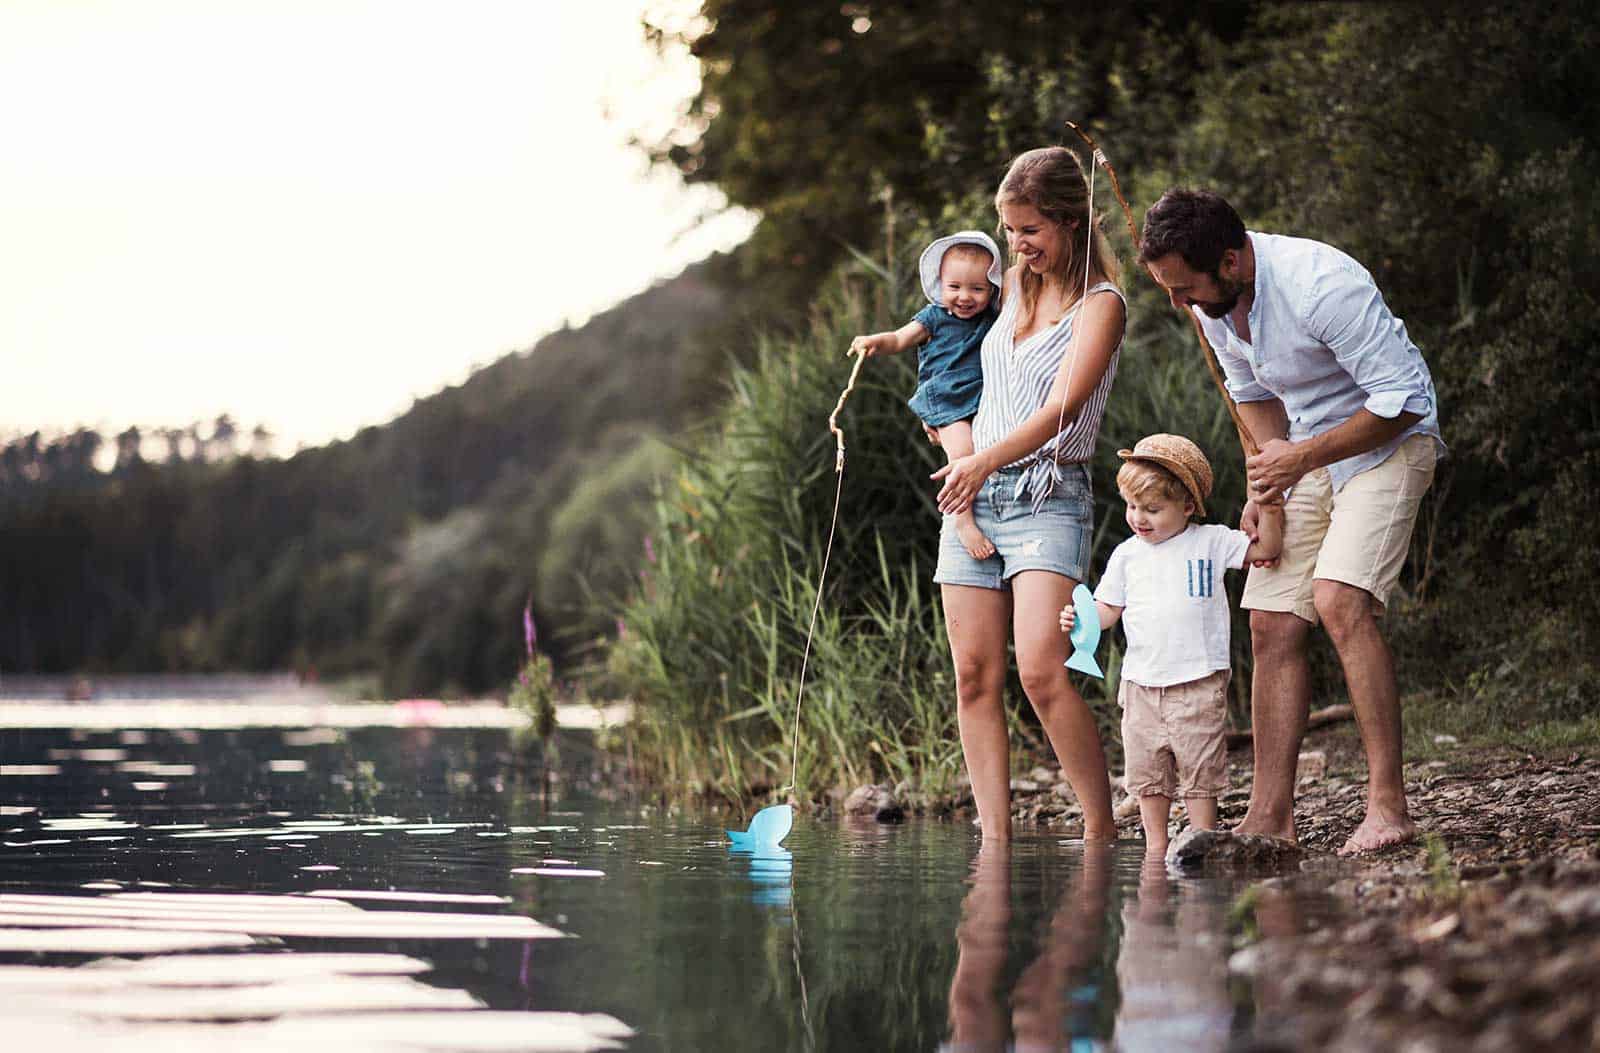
x=1048 y=365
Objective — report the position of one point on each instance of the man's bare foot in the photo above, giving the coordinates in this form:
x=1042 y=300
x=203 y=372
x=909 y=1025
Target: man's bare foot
x=1379 y=831
x=1284 y=831
x=976 y=543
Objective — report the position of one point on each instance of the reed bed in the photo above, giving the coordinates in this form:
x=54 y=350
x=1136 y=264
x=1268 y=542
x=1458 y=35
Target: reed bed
x=716 y=629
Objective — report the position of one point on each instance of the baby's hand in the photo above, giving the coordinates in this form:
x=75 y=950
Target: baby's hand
x=1069 y=618
x=867 y=346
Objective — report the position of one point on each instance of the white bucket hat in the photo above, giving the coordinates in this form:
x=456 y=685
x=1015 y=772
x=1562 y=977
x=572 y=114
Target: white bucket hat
x=933 y=255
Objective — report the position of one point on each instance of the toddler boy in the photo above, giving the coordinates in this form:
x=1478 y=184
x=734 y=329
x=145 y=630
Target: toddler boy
x=1165 y=584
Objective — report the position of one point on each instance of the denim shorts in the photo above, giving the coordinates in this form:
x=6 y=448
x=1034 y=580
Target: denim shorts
x=1057 y=539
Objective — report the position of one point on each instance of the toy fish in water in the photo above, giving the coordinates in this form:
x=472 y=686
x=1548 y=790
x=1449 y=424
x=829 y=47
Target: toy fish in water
x=767 y=828
x=1085 y=635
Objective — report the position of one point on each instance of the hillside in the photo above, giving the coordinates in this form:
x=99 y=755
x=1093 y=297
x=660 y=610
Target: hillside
x=406 y=551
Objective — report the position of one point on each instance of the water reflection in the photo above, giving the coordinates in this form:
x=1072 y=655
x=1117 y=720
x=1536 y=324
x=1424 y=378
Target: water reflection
x=868 y=936
x=1172 y=968
x=1050 y=1006
x=771 y=871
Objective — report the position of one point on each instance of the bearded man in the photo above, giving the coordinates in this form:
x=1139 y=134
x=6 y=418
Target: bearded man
x=1347 y=418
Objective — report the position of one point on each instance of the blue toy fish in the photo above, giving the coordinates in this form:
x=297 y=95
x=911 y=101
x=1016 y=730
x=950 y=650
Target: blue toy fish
x=1085 y=635
x=767 y=828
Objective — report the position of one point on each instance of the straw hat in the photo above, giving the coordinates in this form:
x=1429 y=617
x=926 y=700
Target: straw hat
x=1179 y=456
x=933 y=256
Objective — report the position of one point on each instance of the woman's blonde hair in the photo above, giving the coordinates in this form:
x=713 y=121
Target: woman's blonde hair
x=1051 y=180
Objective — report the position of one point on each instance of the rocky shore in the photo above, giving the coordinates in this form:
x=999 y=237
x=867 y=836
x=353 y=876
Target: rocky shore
x=1482 y=935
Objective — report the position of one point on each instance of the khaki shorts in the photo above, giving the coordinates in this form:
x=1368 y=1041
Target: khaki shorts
x=1174 y=738
x=1358 y=536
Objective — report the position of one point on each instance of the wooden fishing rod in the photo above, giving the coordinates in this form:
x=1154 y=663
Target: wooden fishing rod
x=1098 y=156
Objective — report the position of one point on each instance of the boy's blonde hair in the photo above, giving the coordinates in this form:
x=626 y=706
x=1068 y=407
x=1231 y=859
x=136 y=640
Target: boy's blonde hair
x=1137 y=478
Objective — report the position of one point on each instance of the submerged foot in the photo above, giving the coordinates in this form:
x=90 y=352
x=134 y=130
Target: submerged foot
x=1379 y=831
x=976 y=543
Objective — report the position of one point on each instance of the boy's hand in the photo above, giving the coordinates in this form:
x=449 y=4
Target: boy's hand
x=1069 y=618
x=1250 y=523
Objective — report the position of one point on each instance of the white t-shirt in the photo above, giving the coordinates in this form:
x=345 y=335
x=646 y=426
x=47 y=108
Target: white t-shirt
x=1175 y=609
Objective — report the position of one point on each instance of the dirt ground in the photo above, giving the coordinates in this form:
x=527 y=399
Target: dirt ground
x=1482 y=935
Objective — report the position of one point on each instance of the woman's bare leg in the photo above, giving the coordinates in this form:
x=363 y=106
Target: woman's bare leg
x=977 y=620
x=1037 y=597
x=957 y=442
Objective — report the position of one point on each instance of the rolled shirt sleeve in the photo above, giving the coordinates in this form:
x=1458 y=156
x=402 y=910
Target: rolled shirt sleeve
x=1345 y=311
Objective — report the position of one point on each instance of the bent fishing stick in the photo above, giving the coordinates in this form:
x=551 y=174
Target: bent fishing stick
x=1246 y=439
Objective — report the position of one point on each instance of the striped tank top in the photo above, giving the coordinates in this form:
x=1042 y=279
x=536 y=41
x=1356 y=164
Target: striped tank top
x=1017 y=378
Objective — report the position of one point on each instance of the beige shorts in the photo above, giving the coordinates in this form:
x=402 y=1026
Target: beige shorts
x=1174 y=738
x=1358 y=536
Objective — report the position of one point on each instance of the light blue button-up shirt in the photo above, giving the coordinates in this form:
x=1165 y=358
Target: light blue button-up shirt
x=1325 y=344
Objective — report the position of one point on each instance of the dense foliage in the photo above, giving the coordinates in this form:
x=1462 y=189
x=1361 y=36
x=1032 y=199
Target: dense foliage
x=1449 y=148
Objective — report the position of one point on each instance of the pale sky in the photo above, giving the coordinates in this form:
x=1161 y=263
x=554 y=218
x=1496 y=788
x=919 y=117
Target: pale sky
x=307 y=214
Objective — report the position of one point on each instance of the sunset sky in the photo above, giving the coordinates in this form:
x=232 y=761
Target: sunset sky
x=307 y=214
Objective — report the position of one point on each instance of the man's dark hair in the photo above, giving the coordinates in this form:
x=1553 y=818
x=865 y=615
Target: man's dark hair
x=1196 y=224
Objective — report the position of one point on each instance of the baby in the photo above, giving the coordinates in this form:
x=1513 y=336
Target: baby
x=1164 y=583
x=961 y=278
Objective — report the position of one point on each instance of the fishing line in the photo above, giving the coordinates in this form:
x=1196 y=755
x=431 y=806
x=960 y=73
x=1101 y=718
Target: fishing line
x=1077 y=330
x=816 y=606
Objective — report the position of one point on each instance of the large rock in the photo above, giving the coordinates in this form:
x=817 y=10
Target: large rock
x=875 y=802
x=1222 y=850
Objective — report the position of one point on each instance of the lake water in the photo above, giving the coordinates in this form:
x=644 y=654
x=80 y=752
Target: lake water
x=650 y=934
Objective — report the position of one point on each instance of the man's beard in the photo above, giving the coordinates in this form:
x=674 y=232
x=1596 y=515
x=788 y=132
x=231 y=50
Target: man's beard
x=1231 y=291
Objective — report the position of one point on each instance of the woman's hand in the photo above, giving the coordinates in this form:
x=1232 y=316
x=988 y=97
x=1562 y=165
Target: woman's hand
x=1069 y=618
x=963 y=478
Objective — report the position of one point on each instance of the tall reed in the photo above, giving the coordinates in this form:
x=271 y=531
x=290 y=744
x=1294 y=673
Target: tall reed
x=716 y=628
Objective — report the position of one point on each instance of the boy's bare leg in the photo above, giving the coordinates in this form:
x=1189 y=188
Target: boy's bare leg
x=1202 y=812
x=957 y=442
x=1154 y=811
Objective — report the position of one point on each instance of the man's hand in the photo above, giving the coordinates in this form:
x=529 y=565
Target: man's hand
x=1069 y=618
x=963 y=478
x=1278 y=466
x=1250 y=523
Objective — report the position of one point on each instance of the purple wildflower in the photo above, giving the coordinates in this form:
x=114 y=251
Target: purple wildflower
x=530 y=635
x=649 y=550
x=622 y=629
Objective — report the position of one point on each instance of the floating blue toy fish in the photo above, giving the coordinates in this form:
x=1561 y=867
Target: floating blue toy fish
x=770 y=825
x=1085 y=635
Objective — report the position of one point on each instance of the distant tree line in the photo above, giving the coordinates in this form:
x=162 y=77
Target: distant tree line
x=407 y=552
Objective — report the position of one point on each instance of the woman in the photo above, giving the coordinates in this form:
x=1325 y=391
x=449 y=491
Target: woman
x=1057 y=338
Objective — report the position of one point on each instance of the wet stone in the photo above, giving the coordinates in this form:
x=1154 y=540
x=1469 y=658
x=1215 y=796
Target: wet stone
x=868 y=801
x=1216 y=850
